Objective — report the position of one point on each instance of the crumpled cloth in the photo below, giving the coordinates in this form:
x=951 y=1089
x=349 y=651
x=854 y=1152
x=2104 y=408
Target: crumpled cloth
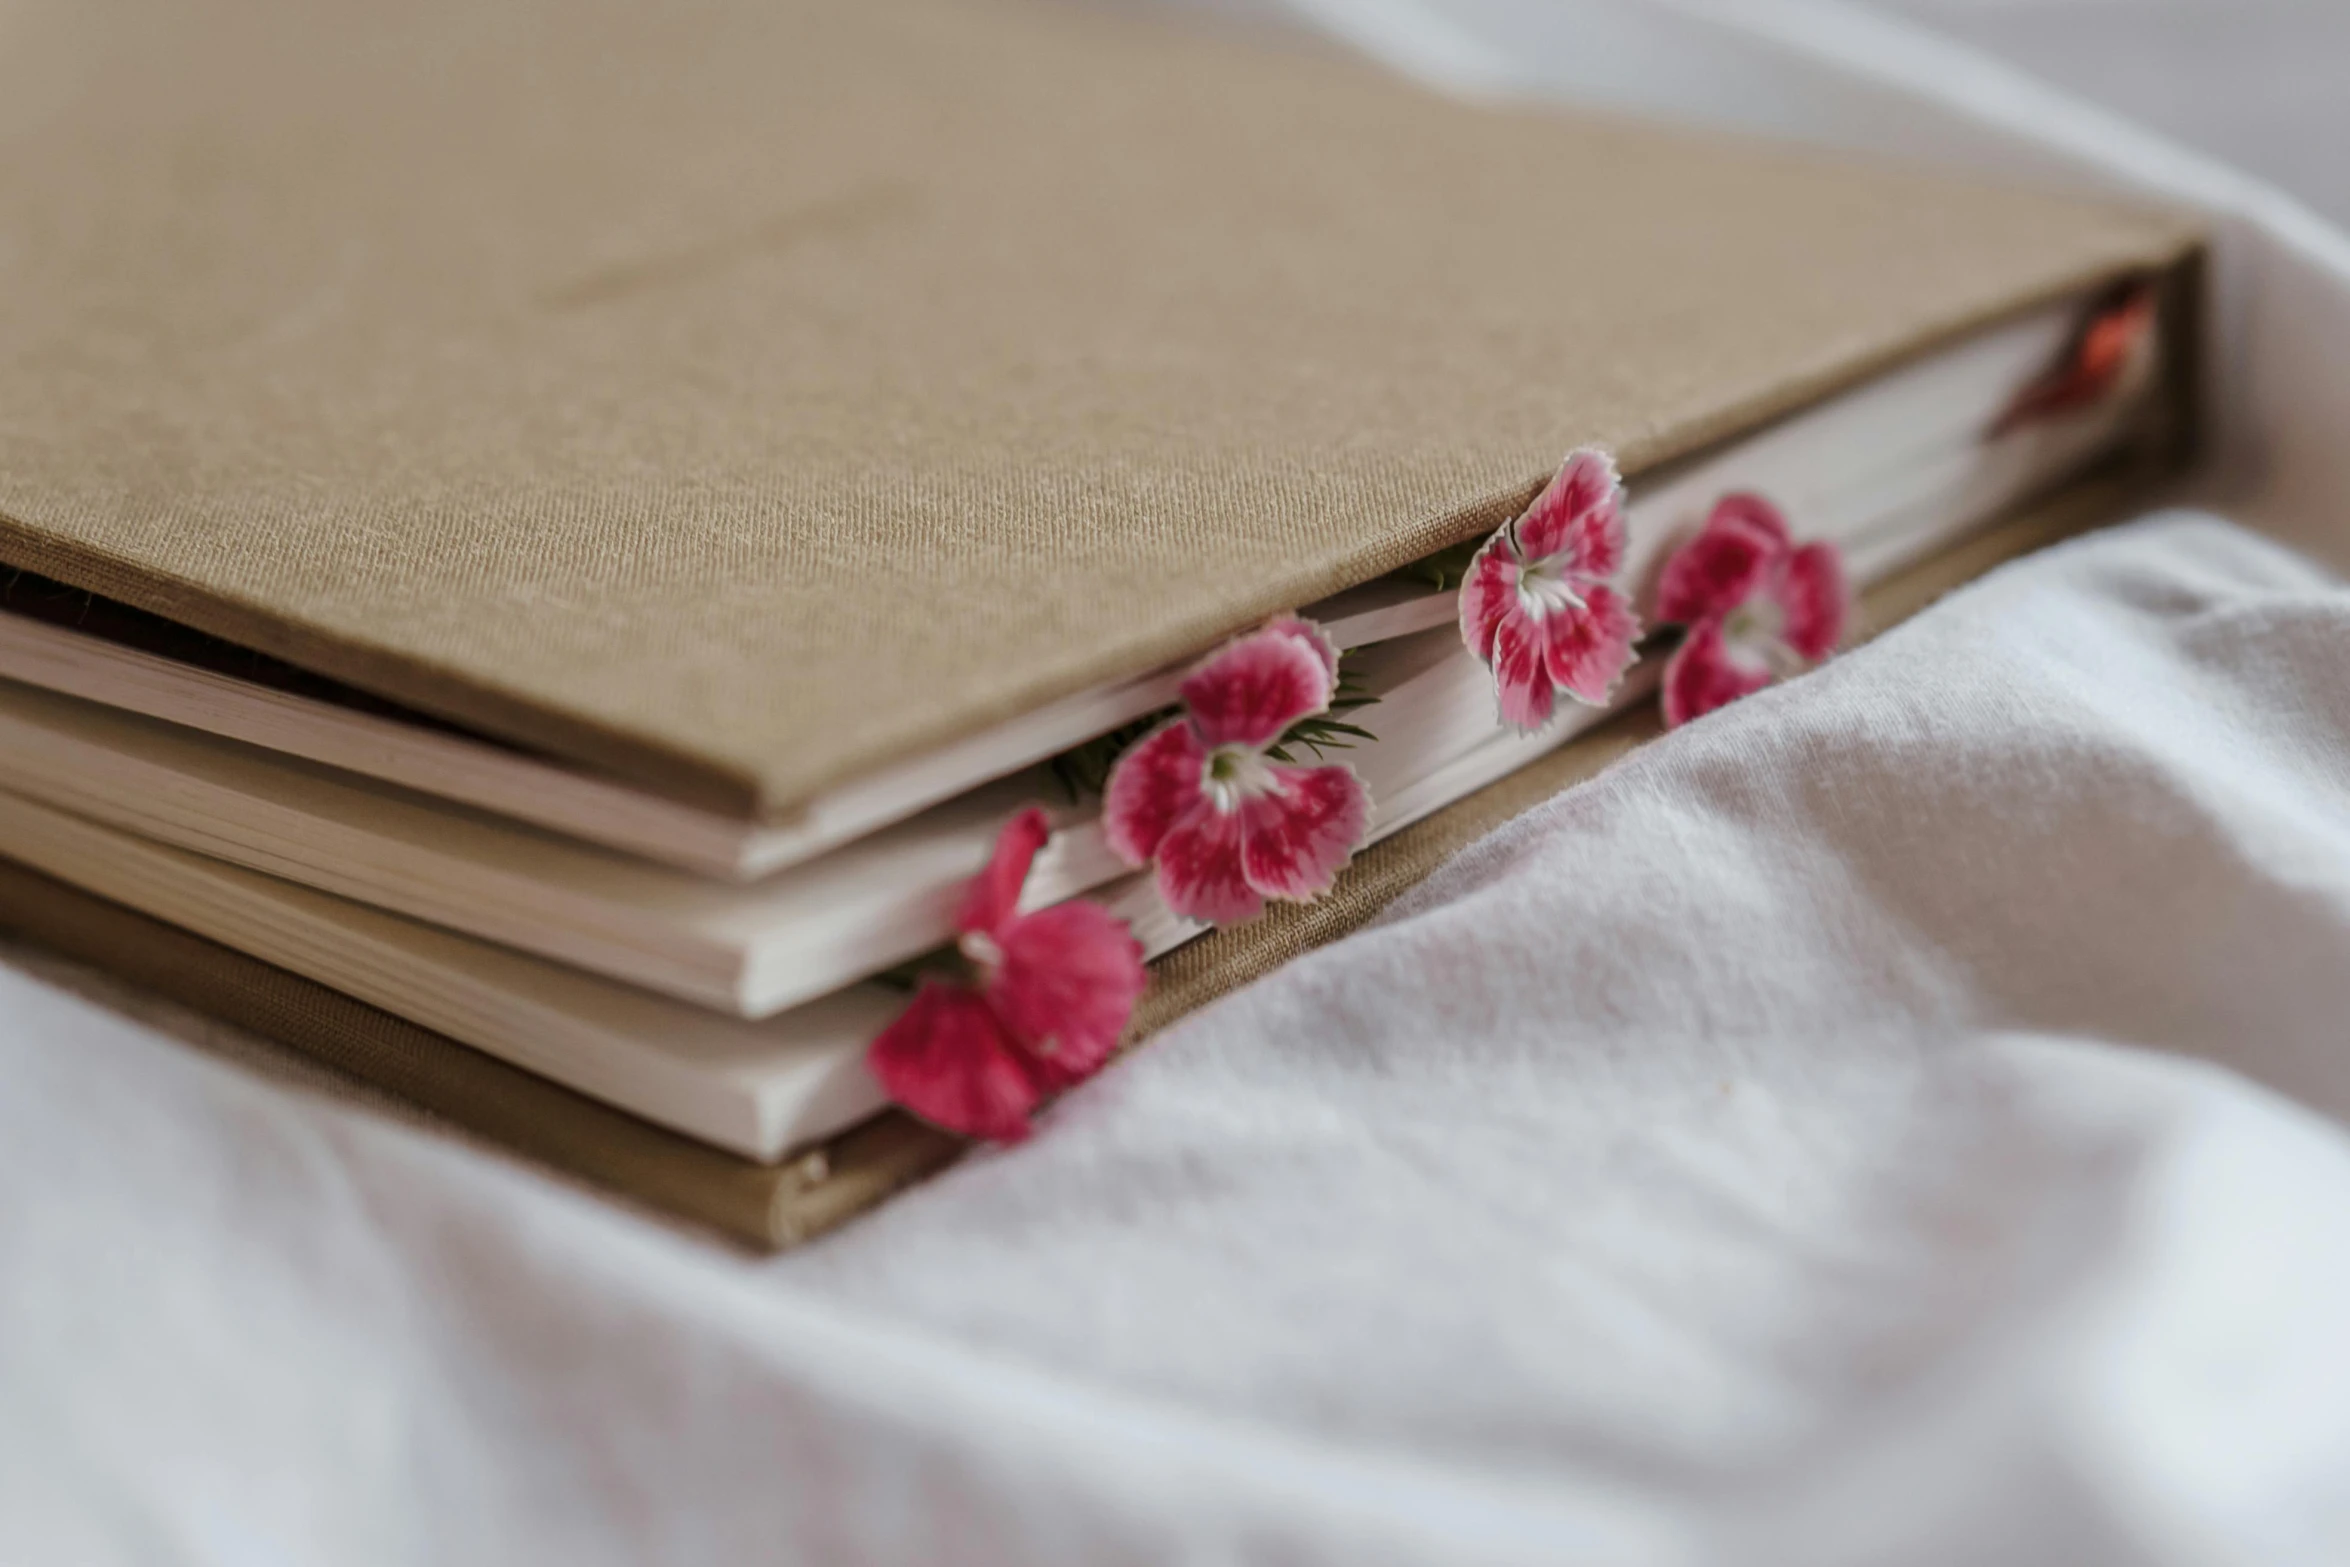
x=1895 y=1118
x=2054 y=1273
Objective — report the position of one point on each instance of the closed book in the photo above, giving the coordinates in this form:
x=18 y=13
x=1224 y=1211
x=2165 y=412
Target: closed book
x=570 y=525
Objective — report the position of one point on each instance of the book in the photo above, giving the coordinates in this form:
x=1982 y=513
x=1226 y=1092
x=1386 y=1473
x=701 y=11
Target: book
x=594 y=601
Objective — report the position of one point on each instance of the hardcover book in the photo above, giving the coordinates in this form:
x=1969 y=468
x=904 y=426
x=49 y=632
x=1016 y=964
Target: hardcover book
x=547 y=540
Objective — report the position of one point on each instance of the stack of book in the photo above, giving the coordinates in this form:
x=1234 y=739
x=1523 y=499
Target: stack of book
x=539 y=557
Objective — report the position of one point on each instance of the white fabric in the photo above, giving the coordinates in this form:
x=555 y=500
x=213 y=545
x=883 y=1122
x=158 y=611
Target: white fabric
x=1898 y=1119
x=1786 y=1148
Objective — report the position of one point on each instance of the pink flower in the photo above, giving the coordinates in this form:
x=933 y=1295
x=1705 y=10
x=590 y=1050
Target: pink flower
x=1049 y=996
x=1757 y=608
x=1536 y=605
x=2115 y=345
x=1228 y=825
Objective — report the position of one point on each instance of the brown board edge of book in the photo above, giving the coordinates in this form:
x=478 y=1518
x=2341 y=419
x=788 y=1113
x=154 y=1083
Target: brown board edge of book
x=771 y=1207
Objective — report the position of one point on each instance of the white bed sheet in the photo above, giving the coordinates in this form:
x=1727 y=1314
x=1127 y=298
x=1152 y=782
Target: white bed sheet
x=1897 y=1119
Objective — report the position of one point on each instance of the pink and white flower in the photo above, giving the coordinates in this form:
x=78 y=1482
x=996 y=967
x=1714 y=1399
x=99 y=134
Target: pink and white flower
x=1757 y=607
x=1048 y=995
x=1228 y=825
x=1538 y=607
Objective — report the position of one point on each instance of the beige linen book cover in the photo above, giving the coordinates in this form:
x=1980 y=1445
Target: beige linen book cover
x=738 y=396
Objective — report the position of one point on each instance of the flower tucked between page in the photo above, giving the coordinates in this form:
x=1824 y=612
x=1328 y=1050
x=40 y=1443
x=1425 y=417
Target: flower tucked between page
x=1755 y=607
x=1538 y=606
x=1046 y=997
x=1227 y=822
x=2111 y=352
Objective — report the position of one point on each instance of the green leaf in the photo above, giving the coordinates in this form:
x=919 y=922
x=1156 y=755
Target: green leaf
x=1447 y=568
x=1084 y=770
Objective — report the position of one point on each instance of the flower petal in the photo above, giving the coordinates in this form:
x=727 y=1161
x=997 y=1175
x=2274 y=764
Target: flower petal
x=1813 y=599
x=1724 y=564
x=1488 y=592
x=2112 y=345
x=1256 y=687
x=1065 y=988
x=1200 y=872
x=1298 y=834
x=1588 y=650
x=1703 y=676
x=1579 y=514
x=994 y=894
x=949 y=1059
x=1752 y=512
x=1521 y=671
x=1314 y=637
x=1157 y=779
